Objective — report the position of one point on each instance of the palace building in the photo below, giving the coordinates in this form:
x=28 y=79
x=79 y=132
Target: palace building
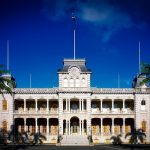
x=75 y=110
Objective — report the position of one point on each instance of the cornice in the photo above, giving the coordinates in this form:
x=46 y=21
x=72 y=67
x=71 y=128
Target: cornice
x=81 y=90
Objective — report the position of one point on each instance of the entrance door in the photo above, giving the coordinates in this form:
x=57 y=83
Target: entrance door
x=74 y=122
x=75 y=127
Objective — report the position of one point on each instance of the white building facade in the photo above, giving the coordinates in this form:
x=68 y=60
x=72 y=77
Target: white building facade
x=77 y=109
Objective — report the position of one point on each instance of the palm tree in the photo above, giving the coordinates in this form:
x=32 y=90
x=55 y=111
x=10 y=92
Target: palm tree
x=38 y=138
x=116 y=140
x=136 y=136
x=7 y=82
x=16 y=137
x=145 y=70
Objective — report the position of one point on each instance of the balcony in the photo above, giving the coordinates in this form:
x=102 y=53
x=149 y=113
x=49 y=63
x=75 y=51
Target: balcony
x=33 y=111
x=75 y=111
x=112 y=111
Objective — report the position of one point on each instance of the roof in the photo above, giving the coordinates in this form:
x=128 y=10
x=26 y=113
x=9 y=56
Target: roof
x=80 y=63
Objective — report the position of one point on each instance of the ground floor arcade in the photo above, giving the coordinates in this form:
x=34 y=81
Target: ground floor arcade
x=100 y=127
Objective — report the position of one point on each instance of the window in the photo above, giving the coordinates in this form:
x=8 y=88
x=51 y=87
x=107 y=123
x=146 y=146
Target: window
x=4 y=126
x=65 y=82
x=4 y=105
x=77 y=82
x=143 y=105
x=143 y=102
x=83 y=82
x=143 y=126
x=71 y=82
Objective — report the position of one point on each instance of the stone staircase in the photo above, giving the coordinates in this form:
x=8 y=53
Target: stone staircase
x=74 y=140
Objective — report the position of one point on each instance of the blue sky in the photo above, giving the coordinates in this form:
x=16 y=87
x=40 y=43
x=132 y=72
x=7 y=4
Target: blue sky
x=40 y=33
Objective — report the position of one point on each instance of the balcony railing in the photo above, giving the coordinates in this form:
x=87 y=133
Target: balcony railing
x=33 y=111
x=112 y=111
x=74 y=111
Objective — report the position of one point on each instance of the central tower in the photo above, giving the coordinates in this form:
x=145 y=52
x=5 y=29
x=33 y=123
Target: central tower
x=74 y=74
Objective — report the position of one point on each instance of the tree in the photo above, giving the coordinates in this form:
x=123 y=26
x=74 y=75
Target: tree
x=7 y=83
x=116 y=140
x=145 y=69
x=38 y=138
x=136 y=136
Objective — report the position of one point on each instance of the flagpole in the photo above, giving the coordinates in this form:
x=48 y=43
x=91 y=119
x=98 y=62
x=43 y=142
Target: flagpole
x=74 y=32
x=118 y=80
x=139 y=57
x=30 y=80
x=74 y=36
x=7 y=54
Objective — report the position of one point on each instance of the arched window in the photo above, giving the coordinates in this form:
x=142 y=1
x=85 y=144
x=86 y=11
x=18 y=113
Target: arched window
x=4 y=105
x=4 y=126
x=83 y=82
x=143 y=102
x=143 y=105
x=65 y=82
x=77 y=82
x=143 y=126
x=71 y=82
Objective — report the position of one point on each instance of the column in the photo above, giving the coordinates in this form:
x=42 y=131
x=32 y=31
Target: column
x=25 y=105
x=66 y=127
x=101 y=126
x=82 y=104
x=112 y=105
x=79 y=104
x=25 y=129
x=36 y=126
x=47 y=126
x=112 y=129
x=101 y=105
x=66 y=104
x=80 y=126
x=36 y=105
x=69 y=126
x=47 y=105
x=124 y=124
x=123 y=104
x=69 y=106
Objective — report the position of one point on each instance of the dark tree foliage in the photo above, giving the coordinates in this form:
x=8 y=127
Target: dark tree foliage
x=136 y=136
x=6 y=84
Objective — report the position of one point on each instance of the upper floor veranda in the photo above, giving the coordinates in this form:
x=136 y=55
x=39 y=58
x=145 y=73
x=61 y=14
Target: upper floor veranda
x=102 y=100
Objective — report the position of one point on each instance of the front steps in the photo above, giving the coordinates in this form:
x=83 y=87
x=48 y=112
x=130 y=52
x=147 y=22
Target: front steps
x=74 y=140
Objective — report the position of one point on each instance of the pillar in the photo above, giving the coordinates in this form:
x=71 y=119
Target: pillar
x=80 y=126
x=101 y=105
x=69 y=126
x=124 y=126
x=66 y=127
x=79 y=104
x=36 y=126
x=47 y=105
x=25 y=129
x=69 y=106
x=66 y=104
x=47 y=126
x=82 y=104
x=123 y=104
x=112 y=132
x=101 y=126
x=36 y=105
x=25 y=105
x=112 y=105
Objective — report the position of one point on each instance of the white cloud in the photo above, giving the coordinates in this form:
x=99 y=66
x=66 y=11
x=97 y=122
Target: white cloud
x=106 y=18
x=103 y=17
